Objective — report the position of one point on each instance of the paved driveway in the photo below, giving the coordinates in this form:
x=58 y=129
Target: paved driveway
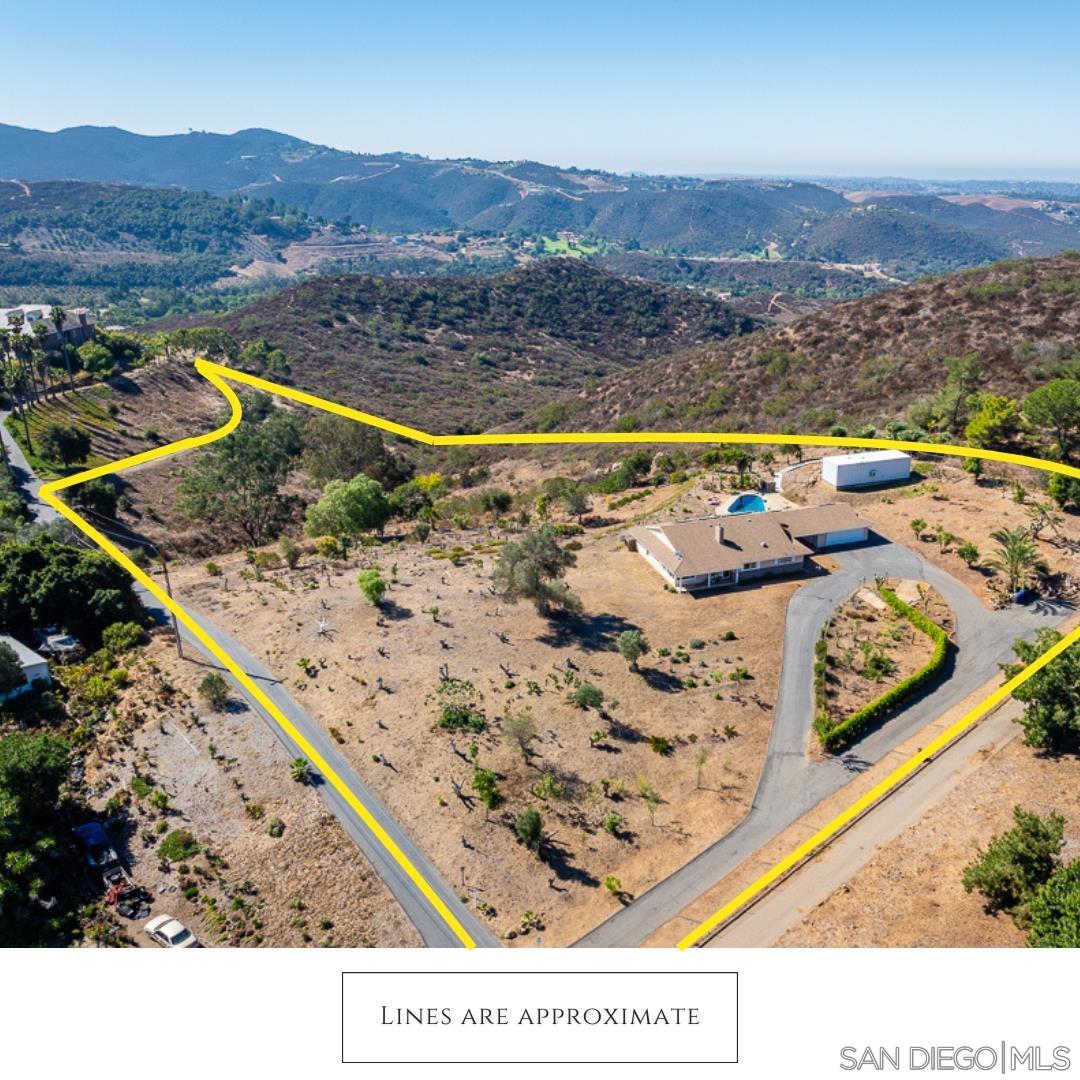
x=791 y=784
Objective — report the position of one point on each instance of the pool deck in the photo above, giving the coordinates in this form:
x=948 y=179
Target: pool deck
x=771 y=499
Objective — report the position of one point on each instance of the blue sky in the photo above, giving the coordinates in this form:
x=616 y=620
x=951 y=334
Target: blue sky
x=947 y=89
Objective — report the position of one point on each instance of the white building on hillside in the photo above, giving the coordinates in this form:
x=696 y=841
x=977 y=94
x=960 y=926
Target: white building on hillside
x=35 y=668
x=866 y=468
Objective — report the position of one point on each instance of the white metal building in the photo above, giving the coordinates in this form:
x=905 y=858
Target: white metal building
x=35 y=668
x=866 y=468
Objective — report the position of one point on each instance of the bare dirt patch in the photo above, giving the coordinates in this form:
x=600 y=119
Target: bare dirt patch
x=614 y=806
x=226 y=780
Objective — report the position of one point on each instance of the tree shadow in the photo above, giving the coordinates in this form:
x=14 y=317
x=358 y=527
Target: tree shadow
x=663 y=681
x=591 y=633
x=392 y=610
x=560 y=862
x=625 y=733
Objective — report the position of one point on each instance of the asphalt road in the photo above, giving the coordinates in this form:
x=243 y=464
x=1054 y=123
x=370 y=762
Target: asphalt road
x=432 y=928
x=783 y=907
x=25 y=478
x=791 y=783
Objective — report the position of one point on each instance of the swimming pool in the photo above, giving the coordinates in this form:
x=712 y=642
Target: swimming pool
x=746 y=504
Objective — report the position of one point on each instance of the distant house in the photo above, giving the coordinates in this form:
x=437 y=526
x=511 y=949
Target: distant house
x=78 y=325
x=709 y=552
x=866 y=468
x=35 y=668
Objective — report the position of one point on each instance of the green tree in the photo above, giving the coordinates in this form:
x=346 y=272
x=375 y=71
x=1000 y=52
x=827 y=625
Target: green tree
x=63 y=443
x=1055 y=407
x=122 y=636
x=529 y=827
x=576 y=502
x=968 y=552
x=300 y=770
x=1018 y=863
x=632 y=646
x=1054 y=911
x=372 y=586
x=532 y=568
x=95 y=358
x=32 y=768
x=237 y=482
x=349 y=508
x=58 y=316
x=1065 y=490
x=520 y=728
x=917 y=526
x=964 y=377
x=1051 y=719
x=995 y=419
x=486 y=784
x=45 y=582
x=11 y=672
x=1016 y=556
x=100 y=496
x=336 y=448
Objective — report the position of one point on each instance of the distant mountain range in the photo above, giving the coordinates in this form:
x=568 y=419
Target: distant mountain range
x=907 y=232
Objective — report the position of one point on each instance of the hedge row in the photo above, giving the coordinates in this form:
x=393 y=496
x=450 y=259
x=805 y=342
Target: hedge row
x=835 y=737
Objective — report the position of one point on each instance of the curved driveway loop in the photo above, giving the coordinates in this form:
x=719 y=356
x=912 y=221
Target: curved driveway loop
x=791 y=783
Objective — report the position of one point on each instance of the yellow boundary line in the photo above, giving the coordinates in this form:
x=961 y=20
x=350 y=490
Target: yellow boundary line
x=219 y=377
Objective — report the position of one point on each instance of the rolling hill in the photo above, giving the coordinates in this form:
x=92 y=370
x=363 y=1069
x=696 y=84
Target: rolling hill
x=860 y=361
x=464 y=354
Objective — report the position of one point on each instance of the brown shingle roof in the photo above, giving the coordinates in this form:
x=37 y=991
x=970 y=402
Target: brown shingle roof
x=715 y=544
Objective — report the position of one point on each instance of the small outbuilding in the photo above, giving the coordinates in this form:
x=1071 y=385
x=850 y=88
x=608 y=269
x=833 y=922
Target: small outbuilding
x=866 y=468
x=35 y=668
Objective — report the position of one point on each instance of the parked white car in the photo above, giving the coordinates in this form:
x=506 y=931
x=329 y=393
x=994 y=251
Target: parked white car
x=170 y=933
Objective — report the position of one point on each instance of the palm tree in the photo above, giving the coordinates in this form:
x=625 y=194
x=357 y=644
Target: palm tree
x=57 y=316
x=1015 y=556
x=41 y=364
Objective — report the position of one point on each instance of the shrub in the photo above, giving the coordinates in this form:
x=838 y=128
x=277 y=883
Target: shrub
x=529 y=827
x=659 y=745
x=214 y=690
x=836 y=736
x=300 y=770
x=179 y=845
x=276 y=828
x=458 y=717
x=1018 y=863
x=122 y=636
x=372 y=586
x=612 y=823
x=213 y=570
x=485 y=783
x=588 y=696
x=290 y=552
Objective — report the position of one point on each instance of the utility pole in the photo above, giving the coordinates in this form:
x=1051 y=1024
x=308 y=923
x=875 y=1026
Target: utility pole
x=129 y=536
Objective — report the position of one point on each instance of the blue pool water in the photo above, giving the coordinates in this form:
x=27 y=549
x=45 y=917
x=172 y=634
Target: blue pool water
x=747 y=504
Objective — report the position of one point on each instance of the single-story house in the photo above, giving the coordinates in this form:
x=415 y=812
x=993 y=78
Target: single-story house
x=708 y=552
x=35 y=668
x=866 y=468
